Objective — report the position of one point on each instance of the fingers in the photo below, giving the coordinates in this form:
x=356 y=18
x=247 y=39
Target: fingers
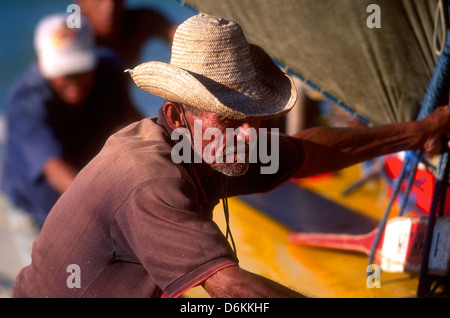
x=437 y=126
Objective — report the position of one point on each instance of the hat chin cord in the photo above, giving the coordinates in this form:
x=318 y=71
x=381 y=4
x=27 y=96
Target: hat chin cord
x=224 y=187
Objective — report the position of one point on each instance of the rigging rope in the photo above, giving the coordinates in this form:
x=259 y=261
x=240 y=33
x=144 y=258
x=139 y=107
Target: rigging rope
x=437 y=95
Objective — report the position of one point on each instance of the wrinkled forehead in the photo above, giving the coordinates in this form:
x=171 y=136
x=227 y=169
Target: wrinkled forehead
x=202 y=114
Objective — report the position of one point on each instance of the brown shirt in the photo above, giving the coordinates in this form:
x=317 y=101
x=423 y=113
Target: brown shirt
x=137 y=224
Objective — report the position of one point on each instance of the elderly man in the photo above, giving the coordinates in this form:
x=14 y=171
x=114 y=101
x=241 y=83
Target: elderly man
x=137 y=221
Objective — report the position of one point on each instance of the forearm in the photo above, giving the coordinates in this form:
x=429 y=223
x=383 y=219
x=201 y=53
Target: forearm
x=59 y=174
x=330 y=149
x=234 y=282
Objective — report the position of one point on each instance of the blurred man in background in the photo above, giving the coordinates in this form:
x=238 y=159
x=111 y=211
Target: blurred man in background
x=60 y=113
x=125 y=30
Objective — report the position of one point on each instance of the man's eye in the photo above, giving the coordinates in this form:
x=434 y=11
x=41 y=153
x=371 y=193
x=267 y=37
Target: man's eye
x=225 y=121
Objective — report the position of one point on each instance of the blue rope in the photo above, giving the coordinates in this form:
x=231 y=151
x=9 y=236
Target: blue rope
x=436 y=95
x=440 y=96
x=437 y=205
x=412 y=173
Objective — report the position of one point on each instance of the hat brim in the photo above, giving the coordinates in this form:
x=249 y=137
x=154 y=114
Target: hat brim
x=57 y=64
x=272 y=94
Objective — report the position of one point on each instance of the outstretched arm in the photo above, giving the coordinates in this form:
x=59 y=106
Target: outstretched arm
x=235 y=282
x=330 y=149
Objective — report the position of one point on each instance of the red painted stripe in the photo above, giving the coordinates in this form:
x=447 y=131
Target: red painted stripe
x=198 y=279
x=346 y=242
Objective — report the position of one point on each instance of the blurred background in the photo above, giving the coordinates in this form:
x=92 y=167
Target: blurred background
x=18 y=18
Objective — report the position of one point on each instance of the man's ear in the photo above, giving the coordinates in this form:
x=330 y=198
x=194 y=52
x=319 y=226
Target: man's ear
x=173 y=115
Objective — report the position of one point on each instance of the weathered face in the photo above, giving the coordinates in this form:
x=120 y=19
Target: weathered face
x=224 y=143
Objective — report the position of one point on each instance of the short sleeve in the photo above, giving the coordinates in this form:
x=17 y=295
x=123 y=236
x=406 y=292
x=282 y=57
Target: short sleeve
x=165 y=227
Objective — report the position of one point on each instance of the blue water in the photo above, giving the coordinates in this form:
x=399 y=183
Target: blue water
x=18 y=19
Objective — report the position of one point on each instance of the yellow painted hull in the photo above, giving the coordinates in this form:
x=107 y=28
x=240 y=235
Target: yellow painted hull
x=263 y=248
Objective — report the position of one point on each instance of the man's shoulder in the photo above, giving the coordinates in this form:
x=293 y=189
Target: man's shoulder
x=108 y=58
x=30 y=80
x=145 y=131
x=142 y=15
x=29 y=91
x=143 y=148
x=146 y=22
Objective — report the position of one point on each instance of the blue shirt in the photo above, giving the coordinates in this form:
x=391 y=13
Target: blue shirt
x=41 y=126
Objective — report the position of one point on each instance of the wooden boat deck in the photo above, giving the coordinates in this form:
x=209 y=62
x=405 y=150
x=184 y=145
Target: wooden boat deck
x=261 y=224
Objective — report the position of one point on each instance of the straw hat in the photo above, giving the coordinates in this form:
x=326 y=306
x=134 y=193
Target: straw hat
x=215 y=69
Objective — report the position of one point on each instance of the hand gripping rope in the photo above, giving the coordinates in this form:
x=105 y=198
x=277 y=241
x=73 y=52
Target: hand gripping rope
x=437 y=95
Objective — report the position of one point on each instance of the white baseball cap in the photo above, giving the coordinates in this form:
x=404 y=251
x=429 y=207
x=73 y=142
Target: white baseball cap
x=62 y=50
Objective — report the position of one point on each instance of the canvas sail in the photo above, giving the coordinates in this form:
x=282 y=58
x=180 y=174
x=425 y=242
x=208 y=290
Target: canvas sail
x=375 y=61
